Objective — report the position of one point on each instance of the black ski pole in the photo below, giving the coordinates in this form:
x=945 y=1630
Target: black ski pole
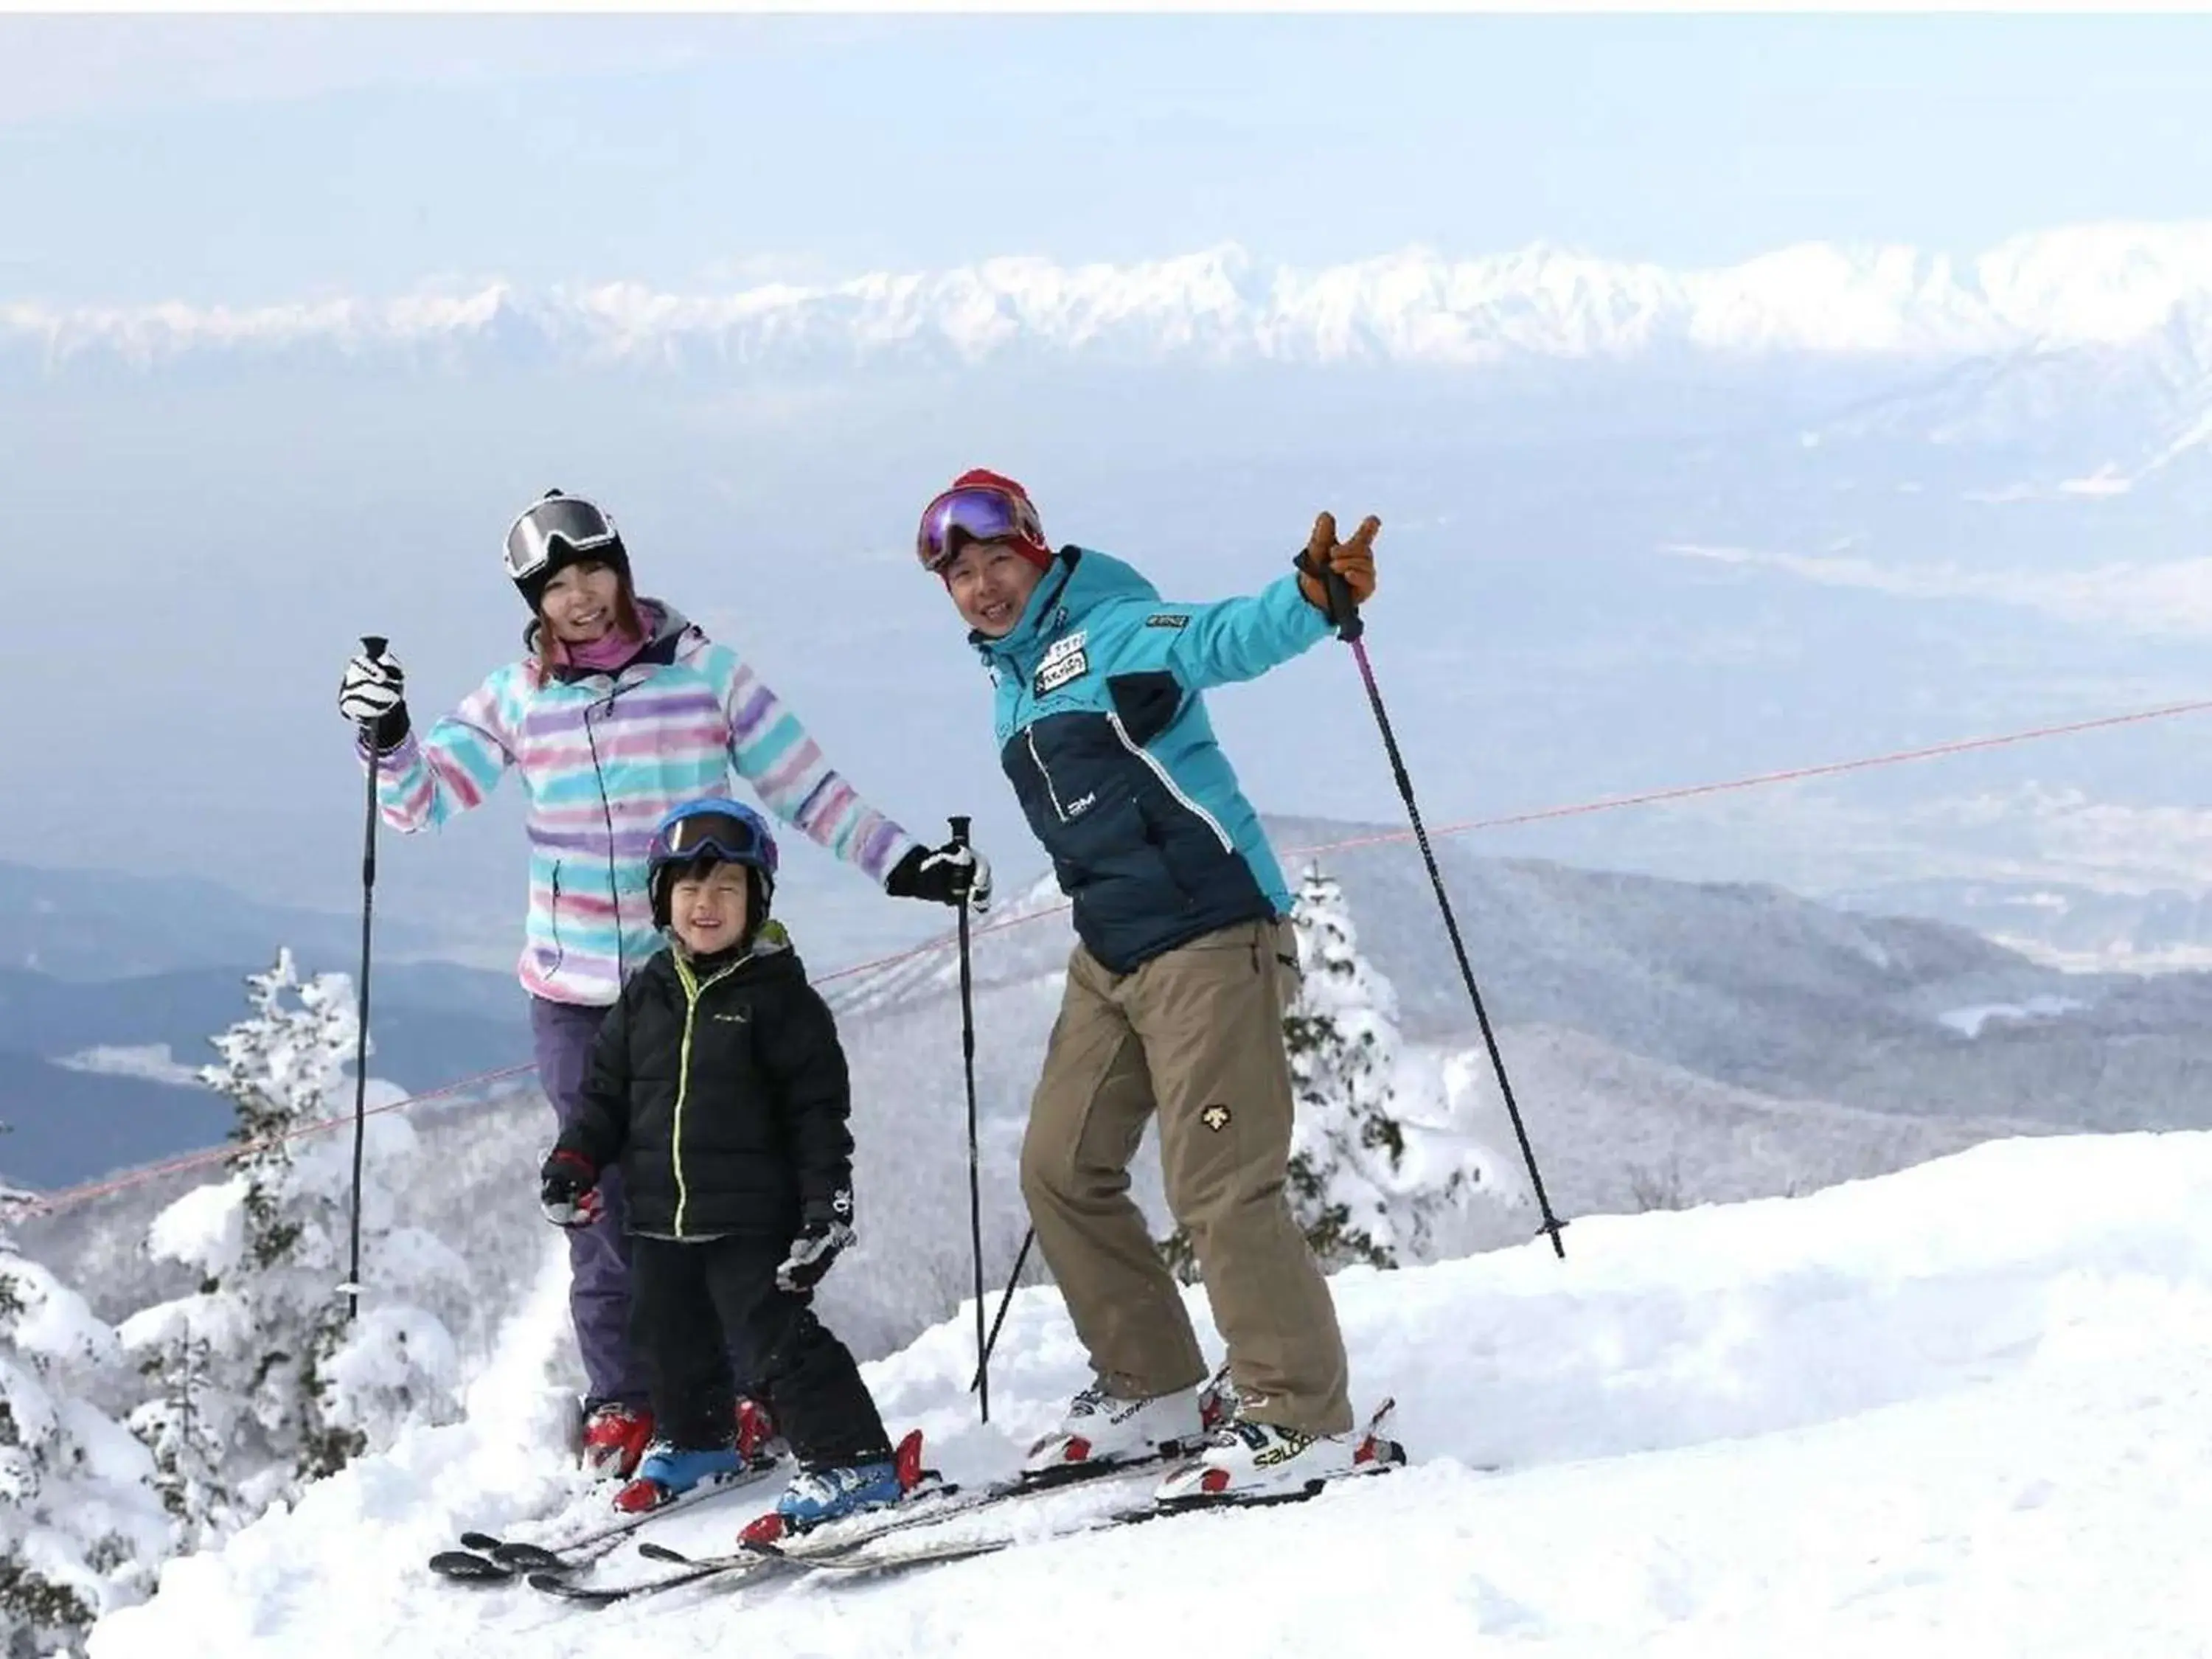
x=1344 y=614
x=1021 y=1260
x=975 y=1173
x=375 y=646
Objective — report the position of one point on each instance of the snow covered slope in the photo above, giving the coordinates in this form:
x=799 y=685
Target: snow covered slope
x=1967 y=1407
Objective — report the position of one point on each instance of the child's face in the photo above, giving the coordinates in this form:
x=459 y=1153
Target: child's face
x=709 y=912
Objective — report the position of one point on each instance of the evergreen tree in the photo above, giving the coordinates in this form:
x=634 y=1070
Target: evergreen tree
x=81 y=1526
x=264 y=1384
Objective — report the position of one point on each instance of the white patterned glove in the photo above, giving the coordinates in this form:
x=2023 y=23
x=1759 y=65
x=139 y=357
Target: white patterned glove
x=372 y=688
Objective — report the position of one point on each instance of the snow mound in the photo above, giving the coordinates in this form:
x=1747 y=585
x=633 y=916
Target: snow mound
x=1966 y=1407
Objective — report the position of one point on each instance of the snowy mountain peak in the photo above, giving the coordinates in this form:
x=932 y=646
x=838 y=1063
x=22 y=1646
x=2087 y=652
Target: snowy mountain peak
x=2106 y=283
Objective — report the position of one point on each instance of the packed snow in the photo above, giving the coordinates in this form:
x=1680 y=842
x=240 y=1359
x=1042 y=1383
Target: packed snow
x=1963 y=1408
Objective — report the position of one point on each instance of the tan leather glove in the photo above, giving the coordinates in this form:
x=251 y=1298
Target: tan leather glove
x=1354 y=561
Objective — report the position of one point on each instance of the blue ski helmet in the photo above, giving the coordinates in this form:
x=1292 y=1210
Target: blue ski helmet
x=713 y=830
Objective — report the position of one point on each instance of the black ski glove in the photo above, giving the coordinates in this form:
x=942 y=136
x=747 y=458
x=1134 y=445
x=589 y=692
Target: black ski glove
x=568 y=1190
x=949 y=874
x=826 y=1231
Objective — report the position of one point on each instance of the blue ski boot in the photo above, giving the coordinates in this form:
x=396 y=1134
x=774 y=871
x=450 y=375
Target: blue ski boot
x=668 y=1472
x=817 y=1496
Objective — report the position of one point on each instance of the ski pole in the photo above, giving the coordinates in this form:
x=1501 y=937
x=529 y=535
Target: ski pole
x=1021 y=1260
x=975 y=1174
x=1344 y=615
x=375 y=646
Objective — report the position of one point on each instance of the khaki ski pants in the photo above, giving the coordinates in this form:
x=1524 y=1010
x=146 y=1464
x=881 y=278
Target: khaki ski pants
x=1196 y=1036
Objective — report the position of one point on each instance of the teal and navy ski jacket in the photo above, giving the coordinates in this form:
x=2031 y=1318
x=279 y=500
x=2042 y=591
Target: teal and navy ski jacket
x=1104 y=732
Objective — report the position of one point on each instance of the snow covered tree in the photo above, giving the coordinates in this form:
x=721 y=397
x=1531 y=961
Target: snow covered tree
x=1372 y=1172
x=81 y=1525
x=262 y=1382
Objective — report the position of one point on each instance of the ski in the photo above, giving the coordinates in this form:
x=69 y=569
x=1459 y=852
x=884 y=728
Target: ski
x=836 y=1539
x=487 y=1559
x=854 y=1557
x=849 y=1552
x=699 y=1570
x=845 y=1560
x=859 y=1559
x=833 y=1539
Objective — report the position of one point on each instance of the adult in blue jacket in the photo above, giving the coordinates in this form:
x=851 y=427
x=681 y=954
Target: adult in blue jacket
x=1175 y=990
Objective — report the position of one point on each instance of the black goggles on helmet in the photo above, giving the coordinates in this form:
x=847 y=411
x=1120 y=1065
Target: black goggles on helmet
x=728 y=836
x=568 y=520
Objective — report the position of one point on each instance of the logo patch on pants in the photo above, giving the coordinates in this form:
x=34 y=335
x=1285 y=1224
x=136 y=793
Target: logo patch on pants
x=1215 y=1117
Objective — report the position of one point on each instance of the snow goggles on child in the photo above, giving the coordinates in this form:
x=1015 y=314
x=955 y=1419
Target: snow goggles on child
x=980 y=513
x=569 y=520
x=733 y=837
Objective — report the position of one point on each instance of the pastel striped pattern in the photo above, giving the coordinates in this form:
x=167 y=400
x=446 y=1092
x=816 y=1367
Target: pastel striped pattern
x=602 y=762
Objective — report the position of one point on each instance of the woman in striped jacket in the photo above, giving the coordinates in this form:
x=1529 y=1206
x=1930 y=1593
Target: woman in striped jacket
x=618 y=710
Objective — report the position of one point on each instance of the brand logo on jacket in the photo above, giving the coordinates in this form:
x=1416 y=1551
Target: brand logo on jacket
x=1068 y=659
x=1167 y=619
x=1215 y=1117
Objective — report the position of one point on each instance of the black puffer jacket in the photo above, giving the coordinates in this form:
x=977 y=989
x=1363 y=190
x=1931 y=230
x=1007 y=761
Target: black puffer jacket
x=721 y=1086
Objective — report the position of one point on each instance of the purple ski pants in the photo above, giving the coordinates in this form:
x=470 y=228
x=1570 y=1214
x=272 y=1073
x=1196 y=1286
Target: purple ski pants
x=598 y=1256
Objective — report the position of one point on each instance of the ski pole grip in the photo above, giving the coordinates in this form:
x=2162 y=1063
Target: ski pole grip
x=1343 y=613
x=959 y=822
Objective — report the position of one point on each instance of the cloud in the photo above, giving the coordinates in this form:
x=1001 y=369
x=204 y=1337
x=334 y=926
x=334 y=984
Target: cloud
x=2171 y=598
x=56 y=67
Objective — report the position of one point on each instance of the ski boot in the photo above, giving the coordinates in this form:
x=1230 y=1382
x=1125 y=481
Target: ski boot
x=1248 y=1461
x=817 y=1497
x=669 y=1472
x=758 y=1439
x=614 y=1436
x=1099 y=1429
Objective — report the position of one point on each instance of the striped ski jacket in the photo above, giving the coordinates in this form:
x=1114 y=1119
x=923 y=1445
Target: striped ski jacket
x=603 y=757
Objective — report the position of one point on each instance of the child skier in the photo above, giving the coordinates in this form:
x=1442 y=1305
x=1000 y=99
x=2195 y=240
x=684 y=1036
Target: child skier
x=718 y=1082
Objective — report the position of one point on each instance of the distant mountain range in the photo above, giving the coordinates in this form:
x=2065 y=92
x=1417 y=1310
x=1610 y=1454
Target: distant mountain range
x=125 y=980
x=1670 y=1043
x=2087 y=285
x=96 y=925
x=97 y=1077
x=1748 y=988
x=1746 y=985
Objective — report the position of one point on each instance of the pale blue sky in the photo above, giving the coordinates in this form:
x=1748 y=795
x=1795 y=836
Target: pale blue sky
x=250 y=158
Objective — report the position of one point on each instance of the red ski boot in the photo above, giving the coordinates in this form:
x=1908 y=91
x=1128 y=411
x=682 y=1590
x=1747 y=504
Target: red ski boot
x=615 y=1436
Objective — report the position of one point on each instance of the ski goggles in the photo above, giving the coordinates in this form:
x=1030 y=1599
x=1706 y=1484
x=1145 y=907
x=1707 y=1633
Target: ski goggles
x=733 y=839
x=568 y=519
x=980 y=513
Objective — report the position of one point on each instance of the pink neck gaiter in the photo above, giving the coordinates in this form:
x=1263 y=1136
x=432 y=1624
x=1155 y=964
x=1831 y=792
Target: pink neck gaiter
x=605 y=655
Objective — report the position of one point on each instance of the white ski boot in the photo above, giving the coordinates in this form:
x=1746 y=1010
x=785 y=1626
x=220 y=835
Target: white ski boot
x=1252 y=1462
x=1100 y=1430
